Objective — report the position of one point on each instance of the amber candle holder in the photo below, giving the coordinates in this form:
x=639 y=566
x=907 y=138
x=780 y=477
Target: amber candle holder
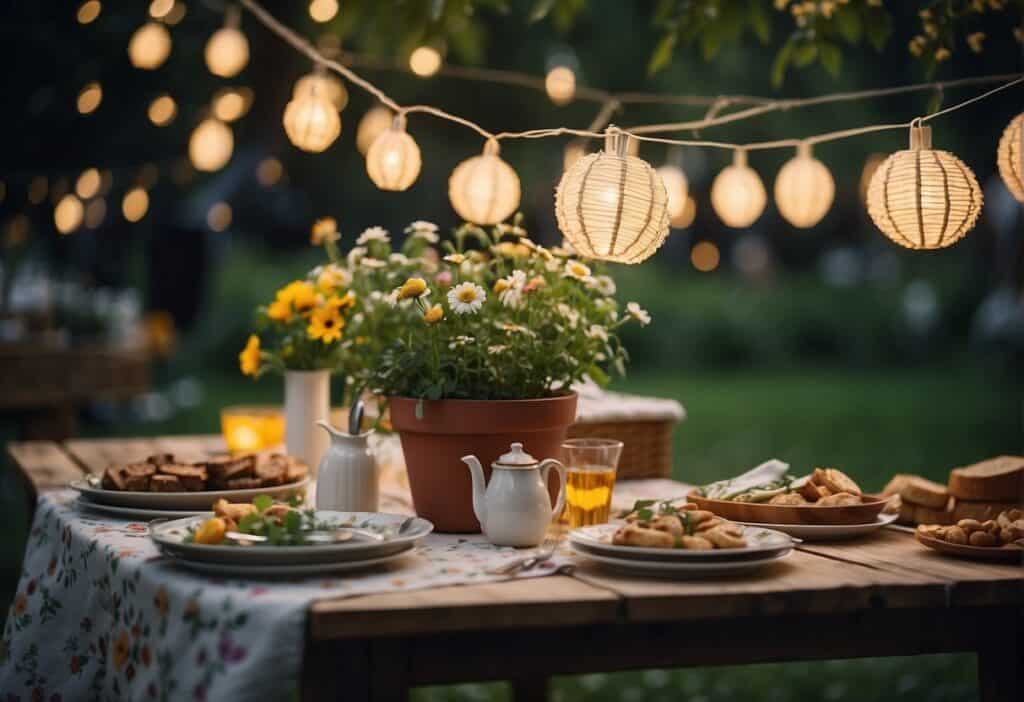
x=251 y=428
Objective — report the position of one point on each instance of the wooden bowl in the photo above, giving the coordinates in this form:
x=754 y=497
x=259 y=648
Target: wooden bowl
x=980 y=553
x=865 y=513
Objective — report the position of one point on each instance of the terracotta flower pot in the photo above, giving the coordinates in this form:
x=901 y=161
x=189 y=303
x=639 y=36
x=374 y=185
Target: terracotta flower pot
x=450 y=429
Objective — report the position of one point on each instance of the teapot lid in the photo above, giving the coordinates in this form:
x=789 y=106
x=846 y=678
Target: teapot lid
x=516 y=458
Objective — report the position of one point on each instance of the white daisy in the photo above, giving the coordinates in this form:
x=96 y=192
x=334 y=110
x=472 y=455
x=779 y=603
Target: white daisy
x=369 y=262
x=460 y=340
x=495 y=349
x=398 y=259
x=423 y=230
x=356 y=255
x=552 y=265
x=373 y=234
x=571 y=315
x=512 y=295
x=603 y=284
x=577 y=270
x=514 y=329
x=598 y=332
x=638 y=313
x=392 y=298
x=466 y=298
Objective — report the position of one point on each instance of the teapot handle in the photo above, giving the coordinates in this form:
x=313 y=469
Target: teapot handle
x=545 y=468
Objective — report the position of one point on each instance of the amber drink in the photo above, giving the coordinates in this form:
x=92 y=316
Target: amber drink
x=590 y=467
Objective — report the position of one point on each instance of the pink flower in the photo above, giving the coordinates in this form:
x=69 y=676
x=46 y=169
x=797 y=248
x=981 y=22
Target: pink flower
x=443 y=279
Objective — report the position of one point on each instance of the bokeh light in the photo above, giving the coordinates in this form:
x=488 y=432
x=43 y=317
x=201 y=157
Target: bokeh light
x=89 y=97
x=162 y=110
x=149 y=46
x=269 y=172
x=176 y=14
x=37 y=188
x=95 y=212
x=135 y=204
x=211 y=145
x=159 y=9
x=88 y=183
x=88 y=11
x=560 y=84
x=68 y=214
x=227 y=52
x=218 y=218
x=425 y=61
x=705 y=256
x=230 y=104
x=372 y=125
x=17 y=230
x=323 y=10
x=687 y=216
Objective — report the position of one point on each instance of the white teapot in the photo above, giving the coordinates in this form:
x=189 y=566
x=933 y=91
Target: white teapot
x=516 y=508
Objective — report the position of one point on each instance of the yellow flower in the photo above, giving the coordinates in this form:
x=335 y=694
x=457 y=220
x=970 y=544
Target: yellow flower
x=324 y=229
x=326 y=325
x=249 y=358
x=455 y=258
x=414 y=287
x=303 y=298
x=975 y=41
x=331 y=278
x=345 y=302
x=434 y=315
x=500 y=286
x=510 y=250
x=280 y=311
x=942 y=54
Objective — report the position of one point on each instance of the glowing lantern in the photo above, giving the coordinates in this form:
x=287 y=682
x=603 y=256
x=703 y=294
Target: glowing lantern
x=705 y=256
x=611 y=205
x=484 y=189
x=560 y=84
x=737 y=193
x=923 y=198
x=1010 y=157
x=90 y=97
x=323 y=10
x=393 y=160
x=227 y=50
x=373 y=123
x=324 y=85
x=804 y=189
x=311 y=121
x=210 y=145
x=68 y=214
x=677 y=187
x=88 y=184
x=574 y=151
x=160 y=8
x=88 y=11
x=162 y=110
x=686 y=217
x=230 y=104
x=149 y=46
x=425 y=61
x=135 y=204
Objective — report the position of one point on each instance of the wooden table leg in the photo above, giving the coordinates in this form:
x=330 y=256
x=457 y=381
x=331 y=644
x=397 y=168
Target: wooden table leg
x=1001 y=663
x=334 y=671
x=389 y=670
x=530 y=689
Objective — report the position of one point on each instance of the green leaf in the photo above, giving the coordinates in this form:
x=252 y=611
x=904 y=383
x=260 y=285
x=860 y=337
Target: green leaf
x=831 y=58
x=848 y=21
x=642 y=504
x=540 y=10
x=262 y=502
x=781 y=63
x=293 y=522
x=878 y=27
x=759 y=22
x=598 y=375
x=662 y=53
x=804 y=54
x=645 y=515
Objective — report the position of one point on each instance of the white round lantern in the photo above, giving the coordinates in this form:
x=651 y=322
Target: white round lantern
x=804 y=189
x=737 y=193
x=325 y=85
x=677 y=186
x=373 y=123
x=923 y=198
x=311 y=120
x=210 y=145
x=484 y=189
x=560 y=85
x=149 y=46
x=611 y=205
x=227 y=50
x=1010 y=157
x=393 y=160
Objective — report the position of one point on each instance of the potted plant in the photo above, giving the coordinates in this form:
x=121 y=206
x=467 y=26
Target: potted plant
x=479 y=348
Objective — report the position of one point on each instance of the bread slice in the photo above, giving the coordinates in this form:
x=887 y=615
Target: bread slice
x=925 y=493
x=906 y=513
x=113 y=478
x=997 y=479
x=272 y=470
x=895 y=486
x=981 y=510
x=192 y=478
x=930 y=515
x=222 y=469
x=165 y=483
x=136 y=476
x=839 y=482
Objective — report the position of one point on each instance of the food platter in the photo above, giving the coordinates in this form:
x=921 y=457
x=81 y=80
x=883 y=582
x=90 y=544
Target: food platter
x=830 y=532
x=681 y=569
x=180 y=501
x=133 y=512
x=982 y=553
x=759 y=513
x=596 y=540
x=287 y=570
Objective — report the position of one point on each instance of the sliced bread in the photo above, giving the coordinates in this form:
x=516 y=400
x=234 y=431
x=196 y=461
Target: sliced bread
x=896 y=485
x=924 y=492
x=931 y=515
x=997 y=479
x=981 y=510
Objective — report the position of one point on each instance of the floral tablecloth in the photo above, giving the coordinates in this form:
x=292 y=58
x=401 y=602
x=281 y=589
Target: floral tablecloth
x=99 y=615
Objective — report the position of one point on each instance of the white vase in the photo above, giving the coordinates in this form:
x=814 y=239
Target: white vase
x=307 y=400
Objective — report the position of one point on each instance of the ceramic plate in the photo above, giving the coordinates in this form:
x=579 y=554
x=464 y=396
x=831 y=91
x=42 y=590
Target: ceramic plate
x=761 y=513
x=681 y=570
x=982 y=553
x=181 y=501
x=830 y=532
x=597 y=539
x=135 y=513
x=287 y=570
x=169 y=536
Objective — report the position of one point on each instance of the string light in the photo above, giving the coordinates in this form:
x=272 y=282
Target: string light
x=425 y=61
x=210 y=145
x=176 y=14
x=158 y=9
x=311 y=121
x=687 y=216
x=560 y=84
x=677 y=187
x=804 y=189
x=323 y=84
x=149 y=46
x=95 y=212
x=227 y=50
x=705 y=256
x=737 y=193
x=68 y=214
x=323 y=10
x=89 y=98
x=88 y=183
x=376 y=120
x=135 y=204
x=269 y=172
x=393 y=160
x=611 y=205
x=1010 y=157
x=924 y=198
x=218 y=218
x=162 y=110
x=484 y=189
x=230 y=104
x=88 y=11
x=37 y=190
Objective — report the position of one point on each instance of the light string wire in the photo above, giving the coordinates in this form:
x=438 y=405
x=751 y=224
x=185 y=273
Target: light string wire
x=612 y=102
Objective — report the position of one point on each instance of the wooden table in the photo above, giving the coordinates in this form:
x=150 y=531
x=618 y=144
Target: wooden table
x=883 y=596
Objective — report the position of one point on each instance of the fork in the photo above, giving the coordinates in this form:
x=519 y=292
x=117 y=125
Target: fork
x=521 y=565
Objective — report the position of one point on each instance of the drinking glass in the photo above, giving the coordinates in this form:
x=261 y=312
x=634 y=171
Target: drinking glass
x=247 y=428
x=590 y=477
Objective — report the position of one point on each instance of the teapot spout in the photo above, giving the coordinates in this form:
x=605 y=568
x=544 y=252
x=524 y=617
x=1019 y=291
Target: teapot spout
x=477 y=472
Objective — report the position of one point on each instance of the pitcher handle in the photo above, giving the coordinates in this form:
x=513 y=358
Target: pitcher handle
x=545 y=468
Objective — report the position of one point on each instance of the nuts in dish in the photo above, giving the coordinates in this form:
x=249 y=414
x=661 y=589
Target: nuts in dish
x=163 y=473
x=1005 y=531
x=682 y=525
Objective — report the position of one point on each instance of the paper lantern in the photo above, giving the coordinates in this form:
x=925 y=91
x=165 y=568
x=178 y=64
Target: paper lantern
x=210 y=145
x=1010 y=157
x=425 y=61
x=324 y=85
x=804 y=189
x=311 y=121
x=393 y=159
x=149 y=46
x=677 y=187
x=737 y=193
x=323 y=10
x=560 y=85
x=574 y=151
x=484 y=189
x=68 y=214
x=611 y=205
x=923 y=198
x=227 y=50
x=374 y=122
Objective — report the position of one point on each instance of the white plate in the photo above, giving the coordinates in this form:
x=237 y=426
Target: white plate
x=830 y=532
x=201 y=501
x=681 y=570
x=169 y=537
x=286 y=570
x=597 y=539
x=136 y=513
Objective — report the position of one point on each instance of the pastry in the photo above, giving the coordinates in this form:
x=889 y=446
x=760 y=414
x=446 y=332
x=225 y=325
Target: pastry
x=837 y=481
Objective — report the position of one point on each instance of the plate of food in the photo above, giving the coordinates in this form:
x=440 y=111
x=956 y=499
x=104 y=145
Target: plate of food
x=135 y=513
x=999 y=539
x=162 y=482
x=677 y=531
x=267 y=532
x=770 y=494
x=683 y=569
x=287 y=570
x=829 y=532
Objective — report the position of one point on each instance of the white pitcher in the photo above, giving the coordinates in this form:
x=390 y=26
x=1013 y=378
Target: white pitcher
x=349 y=479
